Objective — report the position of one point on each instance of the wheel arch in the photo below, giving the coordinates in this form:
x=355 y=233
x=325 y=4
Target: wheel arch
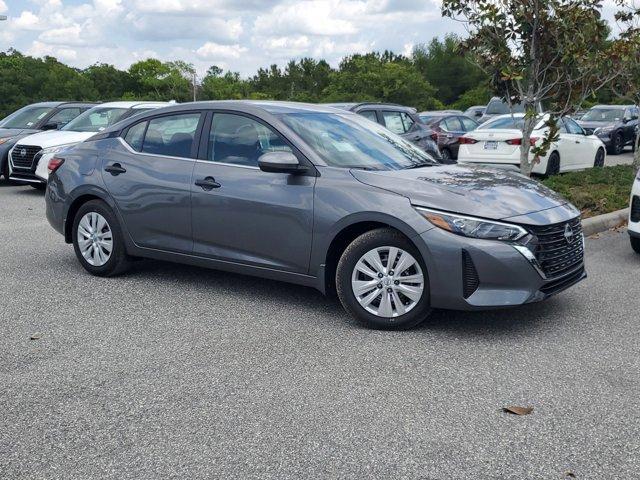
x=79 y=199
x=347 y=232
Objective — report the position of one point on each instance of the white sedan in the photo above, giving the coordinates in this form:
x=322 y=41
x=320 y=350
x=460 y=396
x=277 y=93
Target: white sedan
x=497 y=142
x=634 y=215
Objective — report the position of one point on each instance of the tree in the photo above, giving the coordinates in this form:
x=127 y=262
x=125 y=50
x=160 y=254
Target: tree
x=164 y=81
x=554 y=52
x=627 y=85
x=110 y=82
x=449 y=71
x=380 y=78
x=219 y=86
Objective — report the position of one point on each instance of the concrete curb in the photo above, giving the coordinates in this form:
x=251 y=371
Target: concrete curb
x=602 y=223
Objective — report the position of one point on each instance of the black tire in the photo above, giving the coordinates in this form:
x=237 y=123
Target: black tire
x=617 y=145
x=4 y=167
x=350 y=257
x=553 y=164
x=446 y=156
x=39 y=186
x=119 y=261
x=635 y=244
x=599 y=160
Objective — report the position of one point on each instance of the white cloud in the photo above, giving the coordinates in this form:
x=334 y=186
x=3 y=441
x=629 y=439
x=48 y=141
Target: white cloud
x=214 y=51
x=27 y=21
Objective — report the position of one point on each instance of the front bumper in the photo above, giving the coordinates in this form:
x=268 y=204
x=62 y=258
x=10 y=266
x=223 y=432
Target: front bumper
x=504 y=276
x=37 y=173
x=606 y=139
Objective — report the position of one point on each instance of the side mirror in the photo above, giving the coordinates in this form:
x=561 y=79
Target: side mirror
x=280 y=162
x=51 y=126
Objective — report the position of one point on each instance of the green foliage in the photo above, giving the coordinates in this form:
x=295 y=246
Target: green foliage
x=597 y=190
x=158 y=80
x=380 y=77
x=450 y=71
x=219 y=86
x=479 y=95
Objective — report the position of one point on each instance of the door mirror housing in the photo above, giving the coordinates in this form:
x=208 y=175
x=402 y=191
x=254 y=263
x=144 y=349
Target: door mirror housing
x=51 y=126
x=280 y=162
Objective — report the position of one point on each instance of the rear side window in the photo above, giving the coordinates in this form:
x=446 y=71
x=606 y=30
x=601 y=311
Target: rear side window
x=370 y=114
x=241 y=140
x=468 y=124
x=135 y=136
x=397 y=122
x=451 y=124
x=65 y=115
x=172 y=135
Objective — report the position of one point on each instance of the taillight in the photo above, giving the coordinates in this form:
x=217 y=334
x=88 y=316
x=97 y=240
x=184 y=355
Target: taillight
x=467 y=141
x=54 y=164
x=518 y=141
x=434 y=136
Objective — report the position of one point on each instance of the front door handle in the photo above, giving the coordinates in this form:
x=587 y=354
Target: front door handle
x=115 y=169
x=208 y=183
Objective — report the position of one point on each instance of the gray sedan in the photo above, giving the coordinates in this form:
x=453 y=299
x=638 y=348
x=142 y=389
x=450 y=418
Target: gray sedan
x=314 y=196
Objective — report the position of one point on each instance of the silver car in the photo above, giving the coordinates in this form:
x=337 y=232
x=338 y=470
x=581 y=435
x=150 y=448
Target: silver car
x=315 y=196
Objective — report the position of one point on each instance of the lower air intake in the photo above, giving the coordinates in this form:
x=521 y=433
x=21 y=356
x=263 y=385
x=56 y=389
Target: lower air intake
x=470 y=279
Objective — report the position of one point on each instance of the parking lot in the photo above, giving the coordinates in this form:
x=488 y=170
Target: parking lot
x=179 y=372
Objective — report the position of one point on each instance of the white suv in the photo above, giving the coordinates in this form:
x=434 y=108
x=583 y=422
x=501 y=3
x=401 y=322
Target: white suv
x=634 y=215
x=29 y=158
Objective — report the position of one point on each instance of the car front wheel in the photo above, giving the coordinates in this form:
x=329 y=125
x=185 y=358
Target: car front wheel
x=382 y=281
x=635 y=244
x=98 y=241
x=599 y=161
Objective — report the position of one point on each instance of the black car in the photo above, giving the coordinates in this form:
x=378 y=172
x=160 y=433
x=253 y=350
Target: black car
x=401 y=120
x=615 y=125
x=32 y=119
x=447 y=130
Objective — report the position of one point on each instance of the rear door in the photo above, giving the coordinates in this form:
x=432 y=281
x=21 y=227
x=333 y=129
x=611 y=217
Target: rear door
x=583 y=155
x=149 y=177
x=242 y=214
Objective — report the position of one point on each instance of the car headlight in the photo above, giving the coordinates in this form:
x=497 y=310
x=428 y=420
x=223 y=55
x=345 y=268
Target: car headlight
x=473 y=227
x=603 y=130
x=56 y=149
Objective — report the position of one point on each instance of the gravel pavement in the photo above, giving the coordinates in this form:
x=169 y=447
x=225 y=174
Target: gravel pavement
x=179 y=372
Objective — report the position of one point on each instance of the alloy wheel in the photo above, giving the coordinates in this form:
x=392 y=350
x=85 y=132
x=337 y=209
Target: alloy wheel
x=95 y=239
x=387 y=282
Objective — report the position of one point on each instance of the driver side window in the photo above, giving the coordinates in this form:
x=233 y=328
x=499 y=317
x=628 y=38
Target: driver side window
x=240 y=140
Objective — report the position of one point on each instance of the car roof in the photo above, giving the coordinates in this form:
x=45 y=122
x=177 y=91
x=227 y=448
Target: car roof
x=380 y=105
x=612 y=107
x=55 y=104
x=272 y=107
x=135 y=104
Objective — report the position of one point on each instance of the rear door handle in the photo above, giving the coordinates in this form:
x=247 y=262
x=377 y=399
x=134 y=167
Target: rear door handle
x=208 y=183
x=115 y=169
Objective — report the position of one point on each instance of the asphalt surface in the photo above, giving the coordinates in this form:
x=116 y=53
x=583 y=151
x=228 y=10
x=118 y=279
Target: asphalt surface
x=180 y=372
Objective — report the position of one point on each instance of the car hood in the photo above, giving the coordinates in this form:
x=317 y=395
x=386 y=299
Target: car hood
x=469 y=190
x=595 y=125
x=55 y=138
x=12 y=132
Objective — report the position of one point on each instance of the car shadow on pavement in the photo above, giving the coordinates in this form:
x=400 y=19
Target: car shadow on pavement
x=527 y=319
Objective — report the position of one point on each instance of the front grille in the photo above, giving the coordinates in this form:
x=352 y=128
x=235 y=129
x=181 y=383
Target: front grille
x=563 y=283
x=470 y=279
x=22 y=156
x=559 y=248
x=635 y=209
x=589 y=131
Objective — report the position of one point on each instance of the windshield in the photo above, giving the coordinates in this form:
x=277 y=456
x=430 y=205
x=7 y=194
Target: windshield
x=95 y=120
x=509 y=123
x=351 y=141
x=498 y=107
x=26 y=117
x=603 y=115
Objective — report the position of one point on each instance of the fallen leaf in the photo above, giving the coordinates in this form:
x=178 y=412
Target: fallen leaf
x=35 y=336
x=518 y=410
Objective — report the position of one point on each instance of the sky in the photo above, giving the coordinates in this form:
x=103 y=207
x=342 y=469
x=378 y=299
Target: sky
x=239 y=35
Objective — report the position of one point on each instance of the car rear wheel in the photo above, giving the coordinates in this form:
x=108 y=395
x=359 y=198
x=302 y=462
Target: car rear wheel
x=446 y=155
x=382 y=281
x=635 y=244
x=599 y=160
x=98 y=241
x=553 y=164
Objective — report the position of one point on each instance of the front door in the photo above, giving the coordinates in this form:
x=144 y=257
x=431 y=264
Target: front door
x=149 y=176
x=242 y=214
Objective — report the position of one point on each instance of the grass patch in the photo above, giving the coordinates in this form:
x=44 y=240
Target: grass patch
x=597 y=190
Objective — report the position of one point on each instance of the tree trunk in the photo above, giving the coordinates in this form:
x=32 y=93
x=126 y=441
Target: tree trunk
x=526 y=165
